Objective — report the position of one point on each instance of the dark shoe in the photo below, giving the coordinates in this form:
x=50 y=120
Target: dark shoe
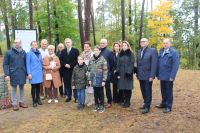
x=160 y=106
x=109 y=105
x=167 y=110
x=34 y=105
x=22 y=105
x=145 y=110
x=39 y=102
x=15 y=108
x=68 y=100
x=120 y=103
x=126 y=105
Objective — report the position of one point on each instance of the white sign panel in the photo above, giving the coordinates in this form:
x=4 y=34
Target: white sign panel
x=26 y=36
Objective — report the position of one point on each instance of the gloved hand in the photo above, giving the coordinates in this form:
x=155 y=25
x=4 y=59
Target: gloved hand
x=129 y=76
x=116 y=73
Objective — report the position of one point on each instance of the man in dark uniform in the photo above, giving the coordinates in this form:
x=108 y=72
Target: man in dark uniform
x=146 y=68
x=68 y=59
x=168 y=64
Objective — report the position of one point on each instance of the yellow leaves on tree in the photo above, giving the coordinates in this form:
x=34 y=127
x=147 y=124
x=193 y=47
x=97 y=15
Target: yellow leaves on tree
x=160 y=22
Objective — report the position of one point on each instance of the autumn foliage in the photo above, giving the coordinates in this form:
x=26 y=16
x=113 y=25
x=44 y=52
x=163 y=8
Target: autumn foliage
x=160 y=22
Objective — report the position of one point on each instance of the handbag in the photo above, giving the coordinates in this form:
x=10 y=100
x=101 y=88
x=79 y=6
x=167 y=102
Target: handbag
x=48 y=76
x=89 y=89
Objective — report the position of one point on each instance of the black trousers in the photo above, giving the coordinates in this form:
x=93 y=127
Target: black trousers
x=68 y=91
x=99 y=96
x=35 y=92
x=125 y=96
x=146 y=89
x=167 y=93
x=116 y=93
x=108 y=92
x=61 y=87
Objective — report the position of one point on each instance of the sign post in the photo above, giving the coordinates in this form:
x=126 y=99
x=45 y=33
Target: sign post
x=26 y=36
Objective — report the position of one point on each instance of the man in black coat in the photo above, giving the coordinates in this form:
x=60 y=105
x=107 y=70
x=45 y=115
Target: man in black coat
x=107 y=54
x=68 y=59
x=14 y=66
x=146 y=72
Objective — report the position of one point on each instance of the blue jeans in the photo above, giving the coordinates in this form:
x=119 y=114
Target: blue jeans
x=81 y=96
x=21 y=94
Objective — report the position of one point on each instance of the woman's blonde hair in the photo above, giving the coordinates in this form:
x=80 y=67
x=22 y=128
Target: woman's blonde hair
x=129 y=46
x=51 y=46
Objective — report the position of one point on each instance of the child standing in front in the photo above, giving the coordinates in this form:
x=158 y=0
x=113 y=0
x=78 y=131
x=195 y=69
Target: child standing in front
x=97 y=74
x=79 y=82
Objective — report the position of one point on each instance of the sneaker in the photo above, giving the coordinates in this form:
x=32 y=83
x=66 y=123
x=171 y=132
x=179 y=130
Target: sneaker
x=49 y=101
x=55 y=100
x=96 y=108
x=101 y=109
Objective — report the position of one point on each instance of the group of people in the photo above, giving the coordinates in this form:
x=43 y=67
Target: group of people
x=85 y=75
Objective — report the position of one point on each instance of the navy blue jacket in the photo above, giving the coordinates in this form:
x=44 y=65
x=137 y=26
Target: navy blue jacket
x=107 y=54
x=147 y=64
x=168 y=64
x=58 y=54
x=14 y=65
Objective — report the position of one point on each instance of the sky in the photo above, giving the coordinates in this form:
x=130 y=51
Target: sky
x=95 y=5
x=155 y=2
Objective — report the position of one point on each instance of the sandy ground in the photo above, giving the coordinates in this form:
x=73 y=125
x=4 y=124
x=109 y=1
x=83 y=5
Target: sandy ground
x=64 y=117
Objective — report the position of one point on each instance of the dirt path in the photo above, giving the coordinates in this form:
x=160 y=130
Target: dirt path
x=63 y=117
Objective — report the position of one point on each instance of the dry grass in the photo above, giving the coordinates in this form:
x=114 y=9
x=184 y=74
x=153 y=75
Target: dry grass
x=63 y=117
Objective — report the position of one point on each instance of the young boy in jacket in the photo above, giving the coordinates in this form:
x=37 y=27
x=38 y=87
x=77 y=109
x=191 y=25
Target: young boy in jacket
x=97 y=75
x=79 y=81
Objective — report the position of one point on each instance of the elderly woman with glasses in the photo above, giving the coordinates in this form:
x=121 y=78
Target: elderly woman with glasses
x=51 y=66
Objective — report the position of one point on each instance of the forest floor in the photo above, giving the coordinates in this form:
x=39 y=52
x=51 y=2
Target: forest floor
x=64 y=117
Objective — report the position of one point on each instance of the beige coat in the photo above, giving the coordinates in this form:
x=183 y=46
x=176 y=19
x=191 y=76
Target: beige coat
x=55 y=72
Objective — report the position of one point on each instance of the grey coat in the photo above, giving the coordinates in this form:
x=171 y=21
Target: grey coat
x=14 y=65
x=125 y=67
